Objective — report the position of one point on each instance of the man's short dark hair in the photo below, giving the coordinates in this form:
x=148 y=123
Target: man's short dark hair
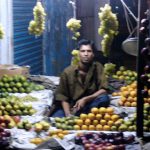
x=86 y=42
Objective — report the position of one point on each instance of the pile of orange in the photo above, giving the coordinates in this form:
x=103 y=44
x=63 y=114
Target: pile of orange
x=128 y=95
x=59 y=133
x=100 y=119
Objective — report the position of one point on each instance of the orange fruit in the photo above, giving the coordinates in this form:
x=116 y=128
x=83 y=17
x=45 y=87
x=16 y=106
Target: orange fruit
x=115 y=94
x=91 y=127
x=125 y=93
x=134 y=85
x=83 y=116
x=59 y=131
x=98 y=116
x=107 y=117
x=76 y=127
x=110 y=110
x=106 y=128
x=135 y=99
x=133 y=104
x=65 y=132
x=87 y=122
x=127 y=104
x=110 y=123
x=103 y=122
x=102 y=110
x=120 y=103
x=99 y=127
x=94 y=110
x=79 y=122
x=133 y=93
x=130 y=99
x=84 y=127
x=114 y=117
x=123 y=99
x=91 y=116
x=60 y=135
x=95 y=122
x=123 y=88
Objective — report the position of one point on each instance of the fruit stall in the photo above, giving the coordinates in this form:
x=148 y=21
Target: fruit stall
x=26 y=99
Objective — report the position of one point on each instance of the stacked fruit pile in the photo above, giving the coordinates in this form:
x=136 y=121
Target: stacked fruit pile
x=103 y=141
x=7 y=121
x=125 y=75
x=17 y=84
x=59 y=133
x=37 y=127
x=98 y=119
x=51 y=134
x=128 y=95
x=130 y=125
x=65 y=123
x=12 y=107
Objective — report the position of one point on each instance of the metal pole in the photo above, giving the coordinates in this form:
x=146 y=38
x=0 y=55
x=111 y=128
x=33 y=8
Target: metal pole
x=139 y=120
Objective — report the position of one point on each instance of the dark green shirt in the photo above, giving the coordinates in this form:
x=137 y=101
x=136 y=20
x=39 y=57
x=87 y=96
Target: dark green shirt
x=71 y=88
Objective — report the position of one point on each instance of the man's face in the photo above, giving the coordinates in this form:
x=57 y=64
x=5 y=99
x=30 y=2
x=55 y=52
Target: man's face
x=86 y=54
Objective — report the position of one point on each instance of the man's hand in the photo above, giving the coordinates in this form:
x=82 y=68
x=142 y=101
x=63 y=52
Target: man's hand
x=80 y=104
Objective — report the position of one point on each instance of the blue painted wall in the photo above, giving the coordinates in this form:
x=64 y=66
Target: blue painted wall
x=57 y=38
x=27 y=48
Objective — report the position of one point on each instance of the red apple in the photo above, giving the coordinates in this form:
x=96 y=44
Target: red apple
x=1 y=119
x=16 y=119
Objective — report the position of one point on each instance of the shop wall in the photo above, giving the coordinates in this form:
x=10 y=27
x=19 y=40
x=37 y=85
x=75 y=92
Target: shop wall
x=27 y=48
x=57 y=39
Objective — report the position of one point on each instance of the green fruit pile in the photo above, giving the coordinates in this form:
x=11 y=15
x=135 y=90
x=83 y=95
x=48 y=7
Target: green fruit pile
x=109 y=69
x=40 y=126
x=65 y=123
x=14 y=84
x=17 y=84
x=123 y=74
x=25 y=124
x=130 y=125
x=9 y=106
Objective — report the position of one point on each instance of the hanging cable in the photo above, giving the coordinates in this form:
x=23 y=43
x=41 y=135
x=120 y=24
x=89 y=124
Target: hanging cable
x=73 y=3
x=124 y=4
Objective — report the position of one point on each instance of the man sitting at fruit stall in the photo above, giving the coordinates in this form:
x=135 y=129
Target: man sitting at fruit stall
x=81 y=86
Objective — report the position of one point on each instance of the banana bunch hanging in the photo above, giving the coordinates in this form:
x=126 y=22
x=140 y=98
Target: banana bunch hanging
x=74 y=25
x=108 y=28
x=37 y=26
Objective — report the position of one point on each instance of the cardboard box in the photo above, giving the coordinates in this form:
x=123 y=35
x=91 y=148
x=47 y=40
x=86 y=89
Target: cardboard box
x=12 y=70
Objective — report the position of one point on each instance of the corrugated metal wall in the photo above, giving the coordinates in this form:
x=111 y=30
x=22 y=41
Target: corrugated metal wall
x=57 y=40
x=27 y=48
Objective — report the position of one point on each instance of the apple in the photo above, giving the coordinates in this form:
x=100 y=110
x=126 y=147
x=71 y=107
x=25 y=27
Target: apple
x=87 y=145
x=16 y=119
x=1 y=119
x=3 y=124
